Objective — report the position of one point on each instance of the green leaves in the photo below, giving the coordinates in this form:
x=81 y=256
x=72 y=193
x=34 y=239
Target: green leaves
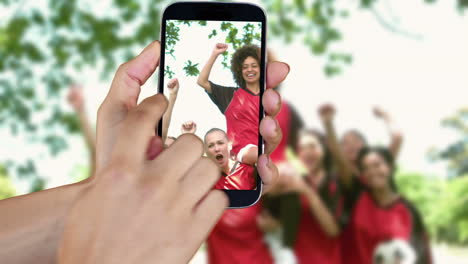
x=314 y=23
x=442 y=203
x=456 y=153
x=191 y=69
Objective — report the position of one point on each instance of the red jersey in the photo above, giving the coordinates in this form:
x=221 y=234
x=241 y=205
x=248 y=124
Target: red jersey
x=290 y=123
x=241 y=108
x=372 y=224
x=312 y=244
x=236 y=239
x=241 y=177
x=283 y=117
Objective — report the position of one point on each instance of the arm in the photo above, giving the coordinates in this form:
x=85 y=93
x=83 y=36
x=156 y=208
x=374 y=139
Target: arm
x=205 y=72
x=31 y=225
x=188 y=127
x=322 y=213
x=344 y=168
x=396 y=136
x=318 y=208
x=76 y=99
x=173 y=87
x=248 y=155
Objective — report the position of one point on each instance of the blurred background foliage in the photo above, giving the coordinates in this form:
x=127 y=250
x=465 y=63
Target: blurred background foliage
x=43 y=50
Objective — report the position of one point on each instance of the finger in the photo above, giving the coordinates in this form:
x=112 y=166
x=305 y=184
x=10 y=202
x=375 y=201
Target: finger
x=138 y=128
x=173 y=163
x=155 y=147
x=207 y=212
x=268 y=172
x=122 y=95
x=271 y=133
x=128 y=79
x=276 y=73
x=199 y=180
x=271 y=102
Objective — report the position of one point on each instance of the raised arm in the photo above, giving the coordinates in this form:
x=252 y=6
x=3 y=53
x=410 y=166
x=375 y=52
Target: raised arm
x=76 y=99
x=173 y=88
x=318 y=208
x=188 y=127
x=205 y=72
x=396 y=136
x=345 y=169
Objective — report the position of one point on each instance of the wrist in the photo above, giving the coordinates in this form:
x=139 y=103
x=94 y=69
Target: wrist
x=172 y=96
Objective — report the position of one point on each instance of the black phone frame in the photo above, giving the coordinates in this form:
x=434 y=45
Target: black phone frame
x=221 y=11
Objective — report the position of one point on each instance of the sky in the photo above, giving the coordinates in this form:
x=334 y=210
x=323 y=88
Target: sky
x=418 y=81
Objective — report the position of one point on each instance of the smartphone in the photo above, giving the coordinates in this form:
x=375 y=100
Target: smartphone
x=212 y=70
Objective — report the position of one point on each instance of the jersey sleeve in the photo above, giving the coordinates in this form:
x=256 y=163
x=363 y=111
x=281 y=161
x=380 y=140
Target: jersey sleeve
x=296 y=124
x=221 y=95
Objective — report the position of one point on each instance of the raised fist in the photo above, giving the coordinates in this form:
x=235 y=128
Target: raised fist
x=326 y=112
x=189 y=127
x=220 y=48
x=173 y=86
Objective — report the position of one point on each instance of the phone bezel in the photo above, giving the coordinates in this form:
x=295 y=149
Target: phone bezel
x=217 y=11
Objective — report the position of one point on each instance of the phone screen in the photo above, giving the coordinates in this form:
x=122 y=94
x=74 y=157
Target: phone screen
x=213 y=77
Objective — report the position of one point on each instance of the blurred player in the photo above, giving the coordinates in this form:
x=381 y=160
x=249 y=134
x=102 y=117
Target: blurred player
x=345 y=157
x=316 y=238
x=76 y=100
x=240 y=105
x=379 y=212
x=353 y=140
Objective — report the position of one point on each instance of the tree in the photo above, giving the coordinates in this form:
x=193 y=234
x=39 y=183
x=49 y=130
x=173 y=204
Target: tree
x=6 y=187
x=456 y=153
x=44 y=49
x=443 y=204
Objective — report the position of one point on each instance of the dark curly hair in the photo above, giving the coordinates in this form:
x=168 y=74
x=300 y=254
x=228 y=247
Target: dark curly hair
x=238 y=59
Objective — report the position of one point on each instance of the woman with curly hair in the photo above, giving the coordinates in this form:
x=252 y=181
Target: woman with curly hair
x=240 y=104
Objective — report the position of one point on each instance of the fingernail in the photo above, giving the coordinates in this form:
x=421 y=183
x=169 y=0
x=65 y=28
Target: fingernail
x=287 y=65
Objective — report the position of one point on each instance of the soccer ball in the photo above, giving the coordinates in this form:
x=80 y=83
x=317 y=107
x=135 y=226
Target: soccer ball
x=396 y=251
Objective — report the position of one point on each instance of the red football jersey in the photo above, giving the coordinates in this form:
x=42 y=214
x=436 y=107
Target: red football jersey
x=242 y=119
x=372 y=224
x=312 y=244
x=241 y=177
x=241 y=108
x=236 y=239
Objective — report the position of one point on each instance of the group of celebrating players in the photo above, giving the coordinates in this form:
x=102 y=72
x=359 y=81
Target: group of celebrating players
x=341 y=205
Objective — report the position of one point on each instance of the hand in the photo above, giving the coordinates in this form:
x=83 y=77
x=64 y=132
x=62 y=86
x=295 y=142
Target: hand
x=380 y=113
x=189 y=127
x=173 y=86
x=327 y=112
x=219 y=48
x=75 y=97
x=290 y=180
x=266 y=222
x=269 y=127
x=141 y=206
